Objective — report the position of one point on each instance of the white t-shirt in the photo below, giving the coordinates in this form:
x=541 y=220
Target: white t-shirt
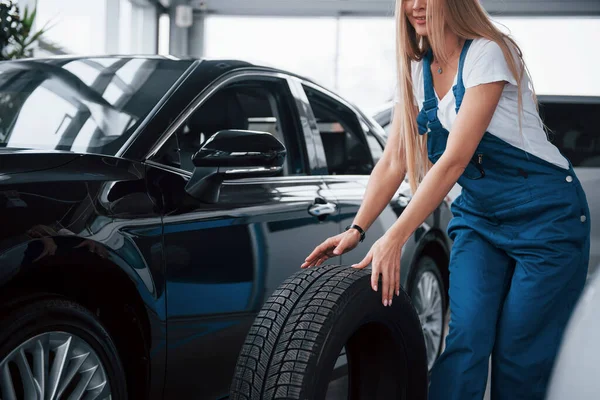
x=485 y=63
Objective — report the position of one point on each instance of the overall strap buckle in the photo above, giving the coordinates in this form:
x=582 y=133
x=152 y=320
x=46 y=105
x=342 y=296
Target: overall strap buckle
x=430 y=107
x=422 y=122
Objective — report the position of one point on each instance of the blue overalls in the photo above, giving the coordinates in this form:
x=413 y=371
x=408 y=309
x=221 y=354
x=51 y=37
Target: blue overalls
x=519 y=261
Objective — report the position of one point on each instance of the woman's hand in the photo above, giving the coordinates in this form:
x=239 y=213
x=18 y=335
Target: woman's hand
x=385 y=256
x=332 y=247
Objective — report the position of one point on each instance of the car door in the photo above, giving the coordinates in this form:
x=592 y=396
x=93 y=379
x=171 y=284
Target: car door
x=350 y=157
x=573 y=126
x=224 y=259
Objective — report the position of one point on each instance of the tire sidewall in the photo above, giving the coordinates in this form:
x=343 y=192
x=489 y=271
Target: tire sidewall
x=348 y=318
x=58 y=315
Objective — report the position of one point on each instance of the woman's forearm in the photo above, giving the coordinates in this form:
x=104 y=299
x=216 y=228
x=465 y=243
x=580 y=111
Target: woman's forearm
x=386 y=177
x=383 y=184
x=436 y=184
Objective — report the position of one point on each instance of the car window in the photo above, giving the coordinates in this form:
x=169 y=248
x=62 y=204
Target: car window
x=384 y=119
x=575 y=130
x=346 y=147
x=375 y=146
x=250 y=105
x=81 y=105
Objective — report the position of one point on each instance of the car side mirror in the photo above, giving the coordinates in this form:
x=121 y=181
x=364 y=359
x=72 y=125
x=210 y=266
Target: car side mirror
x=233 y=154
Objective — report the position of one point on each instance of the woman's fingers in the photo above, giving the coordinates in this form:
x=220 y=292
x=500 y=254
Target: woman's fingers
x=391 y=284
x=397 y=279
x=320 y=251
x=344 y=245
x=317 y=260
x=321 y=261
x=365 y=261
x=385 y=285
x=332 y=247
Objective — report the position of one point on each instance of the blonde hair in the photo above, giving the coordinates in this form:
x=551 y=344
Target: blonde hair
x=468 y=20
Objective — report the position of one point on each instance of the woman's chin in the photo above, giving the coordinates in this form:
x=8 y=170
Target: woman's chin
x=421 y=30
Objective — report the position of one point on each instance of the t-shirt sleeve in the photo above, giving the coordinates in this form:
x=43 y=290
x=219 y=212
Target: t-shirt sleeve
x=486 y=64
x=415 y=76
x=417 y=84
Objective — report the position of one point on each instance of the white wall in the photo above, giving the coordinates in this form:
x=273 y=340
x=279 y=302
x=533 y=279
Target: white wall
x=305 y=46
x=99 y=26
x=561 y=53
x=77 y=25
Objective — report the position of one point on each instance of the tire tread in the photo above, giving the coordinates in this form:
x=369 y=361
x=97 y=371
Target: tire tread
x=293 y=335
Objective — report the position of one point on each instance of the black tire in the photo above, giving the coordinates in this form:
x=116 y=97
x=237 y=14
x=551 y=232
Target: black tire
x=295 y=341
x=427 y=265
x=60 y=315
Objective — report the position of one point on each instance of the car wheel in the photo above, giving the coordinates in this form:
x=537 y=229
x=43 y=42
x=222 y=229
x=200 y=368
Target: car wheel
x=293 y=348
x=55 y=348
x=426 y=289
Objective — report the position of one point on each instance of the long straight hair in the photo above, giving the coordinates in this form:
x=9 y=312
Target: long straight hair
x=468 y=20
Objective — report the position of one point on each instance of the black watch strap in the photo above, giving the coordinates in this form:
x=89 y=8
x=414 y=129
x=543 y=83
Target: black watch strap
x=359 y=229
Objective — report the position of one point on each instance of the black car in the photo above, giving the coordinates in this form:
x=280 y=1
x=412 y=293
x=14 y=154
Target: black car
x=150 y=205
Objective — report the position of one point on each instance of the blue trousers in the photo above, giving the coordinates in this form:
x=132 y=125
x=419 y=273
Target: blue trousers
x=515 y=277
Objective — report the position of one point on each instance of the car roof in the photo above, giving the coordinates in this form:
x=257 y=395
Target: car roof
x=220 y=63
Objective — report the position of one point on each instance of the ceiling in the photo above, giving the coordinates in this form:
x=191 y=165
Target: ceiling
x=379 y=8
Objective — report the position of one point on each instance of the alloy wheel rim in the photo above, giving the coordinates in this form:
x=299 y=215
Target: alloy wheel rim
x=428 y=304
x=53 y=365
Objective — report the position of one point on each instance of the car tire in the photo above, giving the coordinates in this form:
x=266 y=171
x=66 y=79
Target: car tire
x=55 y=345
x=294 y=343
x=428 y=294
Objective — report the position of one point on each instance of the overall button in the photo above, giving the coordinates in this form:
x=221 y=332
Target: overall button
x=583 y=218
x=569 y=179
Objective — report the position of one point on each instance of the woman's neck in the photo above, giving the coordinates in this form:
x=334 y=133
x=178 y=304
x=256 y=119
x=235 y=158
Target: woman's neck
x=452 y=41
x=452 y=44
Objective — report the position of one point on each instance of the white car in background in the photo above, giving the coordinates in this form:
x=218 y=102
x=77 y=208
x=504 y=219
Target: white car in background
x=575 y=373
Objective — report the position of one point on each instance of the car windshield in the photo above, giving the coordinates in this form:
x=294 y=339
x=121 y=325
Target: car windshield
x=89 y=105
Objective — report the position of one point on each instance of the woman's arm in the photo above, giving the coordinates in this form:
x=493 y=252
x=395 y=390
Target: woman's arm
x=386 y=177
x=471 y=123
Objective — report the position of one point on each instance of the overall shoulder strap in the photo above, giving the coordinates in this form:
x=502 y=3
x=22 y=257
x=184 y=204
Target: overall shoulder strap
x=459 y=88
x=430 y=105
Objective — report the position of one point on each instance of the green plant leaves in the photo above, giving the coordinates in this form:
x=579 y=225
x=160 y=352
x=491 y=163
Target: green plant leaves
x=16 y=31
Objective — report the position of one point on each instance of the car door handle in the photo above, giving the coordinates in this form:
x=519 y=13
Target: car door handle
x=320 y=210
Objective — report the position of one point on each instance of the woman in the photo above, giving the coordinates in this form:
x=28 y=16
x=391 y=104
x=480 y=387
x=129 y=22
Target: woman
x=521 y=224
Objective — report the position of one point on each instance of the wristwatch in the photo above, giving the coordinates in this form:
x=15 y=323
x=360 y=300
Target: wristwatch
x=359 y=229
